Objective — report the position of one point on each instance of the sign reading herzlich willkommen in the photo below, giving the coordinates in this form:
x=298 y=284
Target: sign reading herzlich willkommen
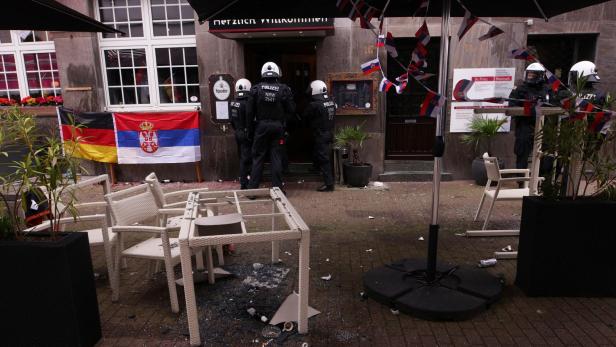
x=270 y=24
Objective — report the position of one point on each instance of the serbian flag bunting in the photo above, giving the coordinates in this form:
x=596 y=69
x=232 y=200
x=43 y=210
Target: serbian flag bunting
x=153 y=138
x=467 y=23
x=461 y=89
x=380 y=41
x=419 y=56
x=88 y=135
x=553 y=81
x=531 y=108
x=423 y=5
x=371 y=66
x=431 y=105
x=401 y=87
x=423 y=35
x=492 y=32
x=390 y=45
x=522 y=54
x=598 y=122
x=385 y=85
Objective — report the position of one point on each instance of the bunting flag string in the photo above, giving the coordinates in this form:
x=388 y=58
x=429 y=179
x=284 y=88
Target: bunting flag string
x=371 y=66
x=423 y=34
x=385 y=85
x=467 y=23
x=553 y=81
x=521 y=54
x=390 y=45
x=492 y=32
x=432 y=104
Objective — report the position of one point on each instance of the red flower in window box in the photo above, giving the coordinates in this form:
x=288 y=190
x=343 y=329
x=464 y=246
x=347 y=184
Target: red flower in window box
x=28 y=101
x=49 y=100
x=7 y=102
x=58 y=100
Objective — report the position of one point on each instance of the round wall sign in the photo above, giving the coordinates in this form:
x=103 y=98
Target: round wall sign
x=222 y=89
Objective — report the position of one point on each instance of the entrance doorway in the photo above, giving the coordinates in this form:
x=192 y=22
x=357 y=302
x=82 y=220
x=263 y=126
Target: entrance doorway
x=559 y=52
x=297 y=61
x=408 y=136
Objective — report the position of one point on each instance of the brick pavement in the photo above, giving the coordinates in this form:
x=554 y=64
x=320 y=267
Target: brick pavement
x=342 y=232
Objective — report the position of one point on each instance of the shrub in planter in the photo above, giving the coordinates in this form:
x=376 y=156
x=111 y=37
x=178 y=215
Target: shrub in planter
x=566 y=234
x=49 y=294
x=356 y=173
x=483 y=130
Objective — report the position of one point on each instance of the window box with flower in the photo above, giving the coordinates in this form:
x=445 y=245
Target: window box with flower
x=39 y=106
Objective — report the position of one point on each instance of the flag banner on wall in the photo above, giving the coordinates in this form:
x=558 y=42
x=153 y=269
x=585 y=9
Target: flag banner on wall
x=155 y=138
x=88 y=135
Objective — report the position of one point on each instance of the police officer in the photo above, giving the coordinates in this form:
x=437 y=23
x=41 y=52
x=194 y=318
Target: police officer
x=320 y=113
x=273 y=101
x=242 y=121
x=588 y=71
x=533 y=89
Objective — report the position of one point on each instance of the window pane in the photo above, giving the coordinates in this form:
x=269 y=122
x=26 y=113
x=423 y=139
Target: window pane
x=126 y=57
x=188 y=28
x=162 y=56
x=136 y=30
x=113 y=77
x=127 y=77
x=157 y=2
x=126 y=19
x=105 y=3
x=5 y=36
x=115 y=96
x=35 y=93
x=30 y=61
x=33 y=80
x=175 y=28
x=187 y=12
x=44 y=60
x=164 y=75
x=3 y=85
x=177 y=56
x=111 y=58
x=119 y=2
x=166 y=96
x=141 y=77
x=106 y=15
x=178 y=75
x=134 y=13
x=129 y=96
x=173 y=12
x=134 y=2
x=179 y=93
x=11 y=81
x=143 y=95
x=121 y=14
x=158 y=13
x=47 y=80
x=191 y=55
x=159 y=29
x=192 y=75
x=193 y=91
x=123 y=28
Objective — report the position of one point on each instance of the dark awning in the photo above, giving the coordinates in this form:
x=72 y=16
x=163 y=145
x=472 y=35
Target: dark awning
x=230 y=9
x=48 y=15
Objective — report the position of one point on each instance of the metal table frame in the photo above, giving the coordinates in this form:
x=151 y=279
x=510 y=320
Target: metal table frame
x=206 y=204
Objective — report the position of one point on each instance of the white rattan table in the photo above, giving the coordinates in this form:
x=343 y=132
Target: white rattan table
x=205 y=204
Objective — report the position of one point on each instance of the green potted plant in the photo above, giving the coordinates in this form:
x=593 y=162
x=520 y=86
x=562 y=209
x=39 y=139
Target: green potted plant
x=483 y=129
x=356 y=172
x=47 y=275
x=567 y=234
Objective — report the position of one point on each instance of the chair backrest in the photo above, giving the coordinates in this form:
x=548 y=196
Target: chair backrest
x=492 y=168
x=69 y=192
x=132 y=205
x=154 y=183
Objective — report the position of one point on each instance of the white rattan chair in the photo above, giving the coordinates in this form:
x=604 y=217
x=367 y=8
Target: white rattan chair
x=137 y=205
x=495 y=174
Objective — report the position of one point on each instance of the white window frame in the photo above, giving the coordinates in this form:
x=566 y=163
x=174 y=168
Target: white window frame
x=18 y=49
x=149 y=42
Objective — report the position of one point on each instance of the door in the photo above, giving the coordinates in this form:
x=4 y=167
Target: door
x=407 y=135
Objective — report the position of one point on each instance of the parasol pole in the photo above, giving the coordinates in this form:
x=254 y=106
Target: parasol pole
x=439 y=145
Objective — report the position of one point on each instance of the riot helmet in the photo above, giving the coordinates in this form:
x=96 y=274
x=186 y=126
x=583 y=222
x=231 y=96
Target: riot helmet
x=586 y=69
x=317 y=87
x=242 y=85
x=270 y=70
x=534 y=74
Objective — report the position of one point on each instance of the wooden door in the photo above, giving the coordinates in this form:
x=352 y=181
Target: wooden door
x=410 y=138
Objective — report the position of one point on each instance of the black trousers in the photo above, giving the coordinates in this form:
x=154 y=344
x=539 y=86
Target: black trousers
x=244 y=151
x=524 y=137
x=268 y=136
x=322 y=152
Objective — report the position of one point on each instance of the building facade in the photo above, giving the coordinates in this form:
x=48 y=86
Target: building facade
x=166 y=62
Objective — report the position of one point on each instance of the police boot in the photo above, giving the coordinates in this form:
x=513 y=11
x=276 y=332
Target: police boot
x=326 y=188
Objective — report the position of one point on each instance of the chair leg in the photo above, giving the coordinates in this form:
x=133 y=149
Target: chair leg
x=199 y=260
x=210 y=265
x=115 y=282
x=483 y=198
x=173 y=293
x=221 y=255
x=485 y=224
x=124 y=263
x=109 y=261
x=275 y=252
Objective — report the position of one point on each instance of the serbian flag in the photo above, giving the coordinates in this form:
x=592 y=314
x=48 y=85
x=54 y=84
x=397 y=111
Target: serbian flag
x=492 y=32
x=461 y=89
x=153 y=138
x=385 y=85
x=371 y=66
x=553 y=81
x=598 y=122
x=390 y=45
x=530 y=108
x=419 y=56
x=423 y=35
x=431 y=106
x=467 y=23
x=380 y=41
x=522 y=54
x=401 y=87
x=88 y=135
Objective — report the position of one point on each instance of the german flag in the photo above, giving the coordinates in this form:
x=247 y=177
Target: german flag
x=89 y=135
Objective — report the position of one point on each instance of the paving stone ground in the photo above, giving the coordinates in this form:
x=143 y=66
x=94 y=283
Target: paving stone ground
x=341 y=235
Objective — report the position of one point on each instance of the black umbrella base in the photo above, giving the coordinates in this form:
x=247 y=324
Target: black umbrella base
x=457 y=293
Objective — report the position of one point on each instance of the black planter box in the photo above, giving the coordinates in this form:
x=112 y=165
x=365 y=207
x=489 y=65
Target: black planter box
x=357 y=175
x=567 y=248
x=48 y=294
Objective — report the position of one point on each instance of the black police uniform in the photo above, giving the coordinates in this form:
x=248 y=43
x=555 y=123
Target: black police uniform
x=320 y=112
x=242 y=121
x=524 y=125
x=273 y=101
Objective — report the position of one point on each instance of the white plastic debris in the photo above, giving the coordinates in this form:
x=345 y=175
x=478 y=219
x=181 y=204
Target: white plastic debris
x=363 y=295
x=487 y=262
x=166 y=181
x=327 y=278
x=460 y=234
x=508 y=249
x=369 y=250
x=305 y=344
x=327 y=260
x=220 y=181
x=287 y=253
x=420 y=238
x=257 y=266
x=370 y=217
x=378 y=184
x=395 y=312
x=264 y=319
x=251 y=311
